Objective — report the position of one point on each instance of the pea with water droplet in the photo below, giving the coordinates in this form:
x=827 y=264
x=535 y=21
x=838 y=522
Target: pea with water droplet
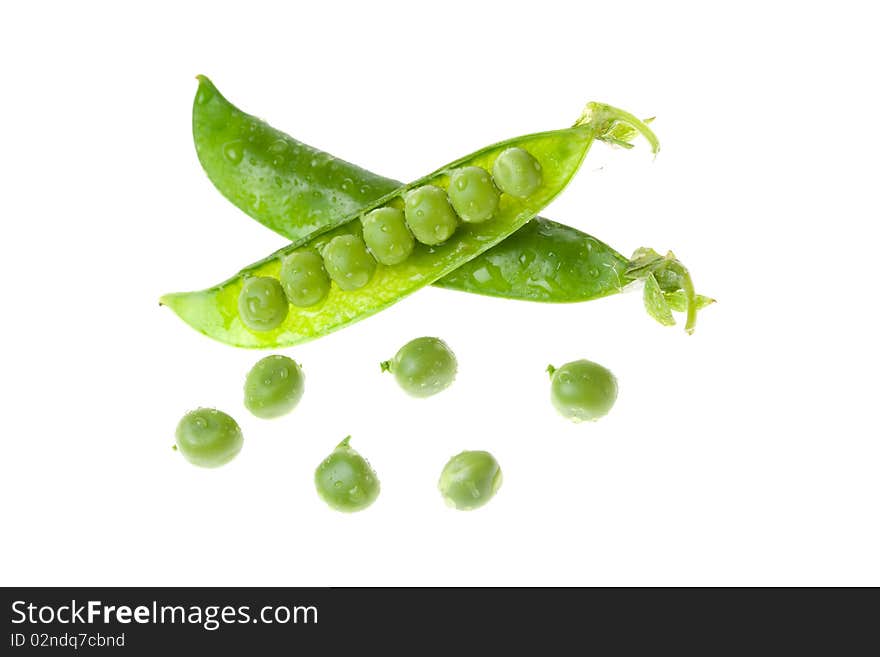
x=348 y=262
x=469 y=480
x=429 y=214
x=262 y=304
x=423 y=367
x=345 y=481
x=517 y=172
x=304 y=279
x=582 y=390
x=386 y=234
x=473 y=194
x=273 y=387
x=208 y=438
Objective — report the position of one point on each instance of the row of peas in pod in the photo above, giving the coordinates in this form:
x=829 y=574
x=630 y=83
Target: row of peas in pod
x=580 y=390
x=430 y=216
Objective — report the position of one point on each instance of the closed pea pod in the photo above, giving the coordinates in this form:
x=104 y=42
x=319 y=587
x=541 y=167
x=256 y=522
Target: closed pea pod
x=348 y=262
x=304 y=279
x=473 y=194
x=387 y=236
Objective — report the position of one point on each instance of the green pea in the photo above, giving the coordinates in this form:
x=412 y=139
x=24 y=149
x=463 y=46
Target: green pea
x=386 y=234
x=262 y=304
x=517 y=172
x=348 y=262
x=423 y=367
x=469 y=480
x=473 y=194
x=429 y=215
x=345 y=481
x=304 y=279
x=582 y=390
x=273 y=387
x=208 y=438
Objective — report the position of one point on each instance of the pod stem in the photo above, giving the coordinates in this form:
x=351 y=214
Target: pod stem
x=617 y=126
x=385 y=365
x=551 y=370
x=344 y=442
x=645 y=265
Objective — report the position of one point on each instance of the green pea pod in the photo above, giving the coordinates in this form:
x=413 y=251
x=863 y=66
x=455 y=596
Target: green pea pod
x=286 y=185
x=559 y=153
x=296 y=189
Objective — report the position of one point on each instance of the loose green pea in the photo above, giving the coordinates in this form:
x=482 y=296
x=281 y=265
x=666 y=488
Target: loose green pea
x=386 y=234
x=273 y=387
x=429 y=215
x=517 y=172
x=423 y=367
x=582 y=390
x=262 y=304
x=348 y=262
x=345 y=481
x=208 y=438
x=304 y=279
x=473 y=194
x=469 y=480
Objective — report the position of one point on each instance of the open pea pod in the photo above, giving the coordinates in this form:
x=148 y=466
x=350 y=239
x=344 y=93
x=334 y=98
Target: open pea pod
x=296 y=190
x=558 y=153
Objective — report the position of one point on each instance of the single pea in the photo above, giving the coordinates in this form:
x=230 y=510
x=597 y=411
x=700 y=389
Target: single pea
x=517 y=172
x=262 y=304
x=473 y=194
x=304 y=279
x=273 y=387
x=429 y=215
x=423 y=367
x=582 y=390
x=469 y=480
x=208 y=438
x=386 y=234
x=345 y=480
x=348 y=262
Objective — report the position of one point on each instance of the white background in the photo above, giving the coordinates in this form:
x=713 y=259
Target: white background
x=745 y=454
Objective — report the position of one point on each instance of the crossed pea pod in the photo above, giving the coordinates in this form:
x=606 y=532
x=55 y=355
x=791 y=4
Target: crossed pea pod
x=322 y=203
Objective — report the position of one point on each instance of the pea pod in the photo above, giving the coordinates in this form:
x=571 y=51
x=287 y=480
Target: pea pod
x=294 y=189
x=559 y=153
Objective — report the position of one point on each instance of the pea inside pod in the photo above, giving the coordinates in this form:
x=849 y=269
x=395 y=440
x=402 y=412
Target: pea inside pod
x=348 y=262
x=473 y=194
x=429 y=215
x=262 y=304
x=387 y=236
x=304 y=279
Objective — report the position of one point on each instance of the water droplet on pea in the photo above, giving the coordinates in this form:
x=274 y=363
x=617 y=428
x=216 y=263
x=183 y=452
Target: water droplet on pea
x=594 y=271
